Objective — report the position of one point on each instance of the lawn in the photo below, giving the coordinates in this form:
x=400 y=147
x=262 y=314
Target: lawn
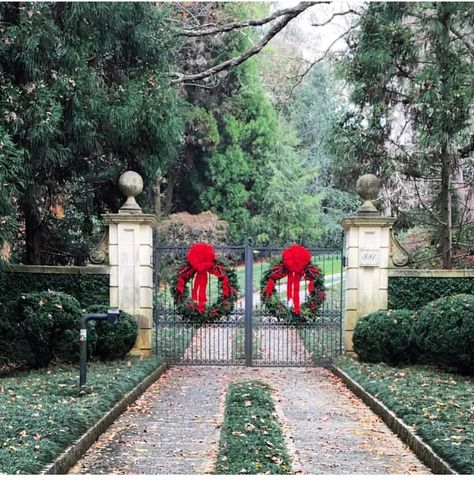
x=251 y=439
x=439 y=406
x=328 y=264
x=171 y=340
x=42 y=412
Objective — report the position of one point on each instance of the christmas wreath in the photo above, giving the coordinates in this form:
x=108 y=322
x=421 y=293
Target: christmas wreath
x=295 y=264
x=201 y=261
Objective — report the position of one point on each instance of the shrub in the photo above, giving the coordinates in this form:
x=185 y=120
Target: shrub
x=114 y=340
x=48 y=323
x=185 y=228
x=386 y=336
x=15 y=351
x=444 y=332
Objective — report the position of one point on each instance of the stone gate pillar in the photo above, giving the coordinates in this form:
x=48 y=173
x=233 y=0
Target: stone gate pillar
x=131 y=261
x=368 y=242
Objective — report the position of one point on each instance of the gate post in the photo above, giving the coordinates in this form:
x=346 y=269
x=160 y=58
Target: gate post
x=131 y=261
x=248 y=303
x=367 y=251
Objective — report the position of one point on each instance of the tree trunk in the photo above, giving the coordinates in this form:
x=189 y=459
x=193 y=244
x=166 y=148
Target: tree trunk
x=442 y=55
x=157 y=196
x=446 y=209
x=168 y=206
x=32 y=234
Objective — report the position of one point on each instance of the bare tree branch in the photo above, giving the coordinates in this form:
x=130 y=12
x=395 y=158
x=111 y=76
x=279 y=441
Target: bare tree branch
x=464 y=40
x=336 y=14
x=235 y=61
x=219 y=29
x=430 y=212
x=319 y=59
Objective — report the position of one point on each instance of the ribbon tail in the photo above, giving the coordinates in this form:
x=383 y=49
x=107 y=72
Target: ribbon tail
x=293 y=291
x=296 y=293
x=289 y=287
x=180 y=286
x=199 y=290
x=225 y=286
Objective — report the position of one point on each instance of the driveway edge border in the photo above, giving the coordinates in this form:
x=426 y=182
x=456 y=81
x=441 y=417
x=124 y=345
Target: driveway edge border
x=422 y=450
x=73 y=453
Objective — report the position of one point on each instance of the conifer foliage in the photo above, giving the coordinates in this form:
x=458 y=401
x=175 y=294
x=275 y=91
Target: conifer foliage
x=410 y=66
x=84 y=95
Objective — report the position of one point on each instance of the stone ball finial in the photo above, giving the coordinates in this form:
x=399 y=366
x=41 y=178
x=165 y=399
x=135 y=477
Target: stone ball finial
x=130 y=184
x=368 y=187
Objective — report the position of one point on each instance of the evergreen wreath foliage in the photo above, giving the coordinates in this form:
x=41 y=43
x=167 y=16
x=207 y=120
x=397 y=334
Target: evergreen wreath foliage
x=188 y=306
x=280 y=269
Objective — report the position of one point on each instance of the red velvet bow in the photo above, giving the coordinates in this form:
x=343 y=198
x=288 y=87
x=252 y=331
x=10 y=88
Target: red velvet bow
x=295 y=258
x=201 y=258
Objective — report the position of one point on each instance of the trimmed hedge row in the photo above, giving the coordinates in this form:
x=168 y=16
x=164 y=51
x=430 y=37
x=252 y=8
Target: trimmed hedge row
x=88 y=289
x=441 y=333
x=414 y=292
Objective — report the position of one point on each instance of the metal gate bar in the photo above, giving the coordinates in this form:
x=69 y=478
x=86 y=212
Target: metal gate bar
x=248 y=304
x=250 y=335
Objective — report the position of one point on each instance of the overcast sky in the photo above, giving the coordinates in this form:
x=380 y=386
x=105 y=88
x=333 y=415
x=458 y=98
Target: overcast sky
x=315 y=40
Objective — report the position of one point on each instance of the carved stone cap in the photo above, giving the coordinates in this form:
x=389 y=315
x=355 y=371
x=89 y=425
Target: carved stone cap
x=375 y=221
x=149 y=219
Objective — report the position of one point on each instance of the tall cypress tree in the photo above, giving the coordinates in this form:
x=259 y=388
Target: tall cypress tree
x=85 y=94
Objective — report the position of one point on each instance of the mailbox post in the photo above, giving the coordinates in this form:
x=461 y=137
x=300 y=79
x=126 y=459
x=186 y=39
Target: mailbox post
x=112 y=316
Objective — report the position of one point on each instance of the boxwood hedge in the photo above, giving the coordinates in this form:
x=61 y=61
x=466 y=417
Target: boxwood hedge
x=441 y=333
x=414 y=292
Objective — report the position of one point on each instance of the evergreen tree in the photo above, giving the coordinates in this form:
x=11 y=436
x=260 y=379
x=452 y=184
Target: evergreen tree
x=234 y=144
x=85 y=95
x=411 y=70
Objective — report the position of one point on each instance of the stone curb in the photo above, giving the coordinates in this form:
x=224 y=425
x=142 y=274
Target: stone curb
x=423 y=451
x=71 y=455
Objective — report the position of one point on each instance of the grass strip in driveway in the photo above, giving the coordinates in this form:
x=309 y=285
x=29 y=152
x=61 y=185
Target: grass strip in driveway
x=251 y=439
x=438 y=406
x=42 y=412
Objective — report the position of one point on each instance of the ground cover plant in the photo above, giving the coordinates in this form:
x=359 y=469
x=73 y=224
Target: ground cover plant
x=43 y=412
x=437 y=405
x=251 y=439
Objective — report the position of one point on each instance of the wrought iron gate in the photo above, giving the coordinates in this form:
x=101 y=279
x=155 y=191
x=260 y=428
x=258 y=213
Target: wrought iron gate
x=249 y=335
